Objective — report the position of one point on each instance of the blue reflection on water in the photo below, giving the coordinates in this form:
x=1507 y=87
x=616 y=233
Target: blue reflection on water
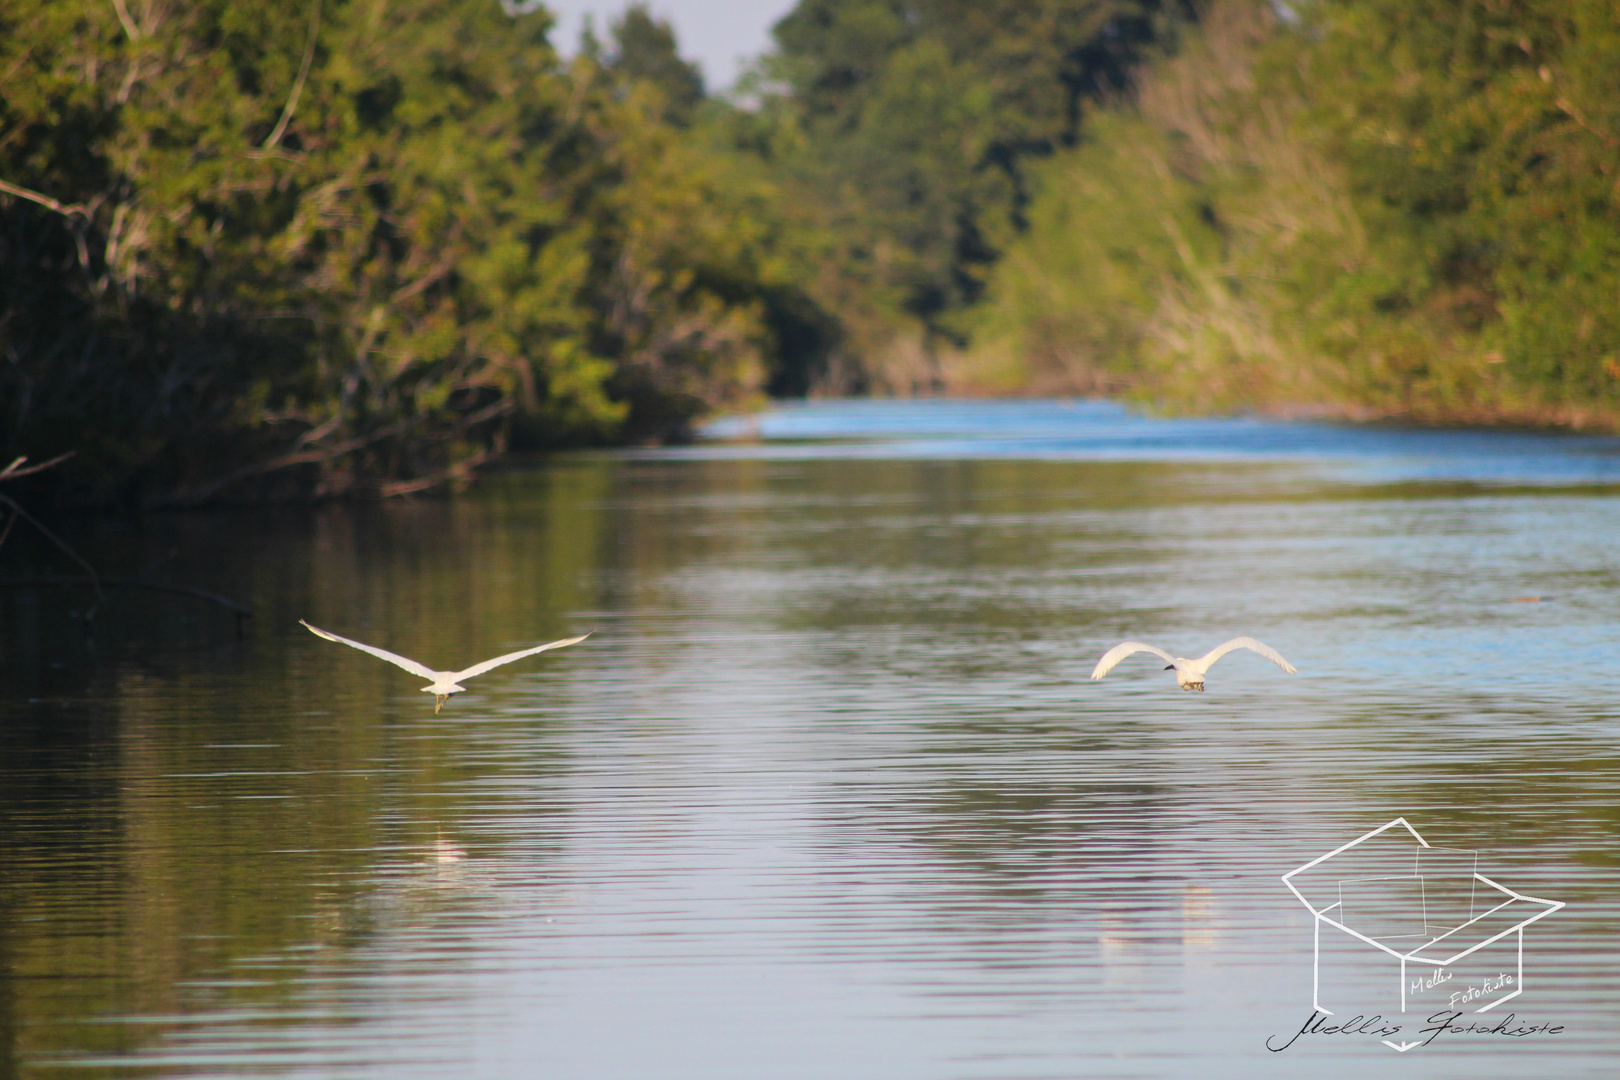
x=1101 y=430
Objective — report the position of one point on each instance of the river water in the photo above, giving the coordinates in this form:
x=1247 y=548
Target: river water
x=828 y=792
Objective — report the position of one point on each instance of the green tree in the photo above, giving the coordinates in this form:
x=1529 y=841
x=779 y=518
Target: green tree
x=644 y=49
x=1484 y=141
x=344 y=247
x=917 y=124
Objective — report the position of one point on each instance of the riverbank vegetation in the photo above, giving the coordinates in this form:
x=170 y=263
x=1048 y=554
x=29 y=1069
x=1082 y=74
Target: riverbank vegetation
x=346 y=247
x=1377 y=208
x=252 y=249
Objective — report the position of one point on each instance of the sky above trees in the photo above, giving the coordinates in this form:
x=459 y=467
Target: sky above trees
x=714 y=33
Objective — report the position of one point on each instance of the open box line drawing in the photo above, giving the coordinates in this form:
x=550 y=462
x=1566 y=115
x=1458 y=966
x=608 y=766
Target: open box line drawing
x=1431 y=918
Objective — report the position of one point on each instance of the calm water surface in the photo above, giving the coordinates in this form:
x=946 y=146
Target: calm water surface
x=828 y=793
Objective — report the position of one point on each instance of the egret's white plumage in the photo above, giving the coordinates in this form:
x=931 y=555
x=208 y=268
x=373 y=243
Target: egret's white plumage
x=1189 y=673
x=444 y=683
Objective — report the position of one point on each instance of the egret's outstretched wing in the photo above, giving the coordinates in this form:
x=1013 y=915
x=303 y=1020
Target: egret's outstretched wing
x=382 y=654
x=1120 y=652
x=479 y=669
x=1245 y=643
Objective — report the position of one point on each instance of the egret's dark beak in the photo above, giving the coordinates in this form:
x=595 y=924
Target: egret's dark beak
x=1169 y=667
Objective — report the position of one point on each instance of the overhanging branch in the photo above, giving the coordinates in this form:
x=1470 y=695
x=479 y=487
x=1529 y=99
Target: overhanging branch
x=66 y=209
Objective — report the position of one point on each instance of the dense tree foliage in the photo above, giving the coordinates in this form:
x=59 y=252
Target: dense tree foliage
x=1484 y=138
x=1384 y=207
x=352 y=245
x=905 y=129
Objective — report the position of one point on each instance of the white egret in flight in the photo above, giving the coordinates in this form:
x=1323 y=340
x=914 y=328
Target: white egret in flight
x=1189 y=673
x=444 y=683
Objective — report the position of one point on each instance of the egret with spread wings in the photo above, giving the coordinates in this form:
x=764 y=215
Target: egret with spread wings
x=444 y=683
x=1189 y=673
